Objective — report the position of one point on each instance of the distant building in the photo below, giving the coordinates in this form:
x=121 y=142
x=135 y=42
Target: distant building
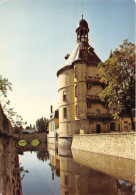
x=80 y=107
x=124 y=123
x=53 y=127
x=29 y=131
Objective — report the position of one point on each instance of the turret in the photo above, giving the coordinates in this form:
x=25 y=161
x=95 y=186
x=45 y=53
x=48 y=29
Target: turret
x=82 y=31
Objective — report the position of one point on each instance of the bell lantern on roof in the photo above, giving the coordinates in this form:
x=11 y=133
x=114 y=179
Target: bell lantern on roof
x=82 y=31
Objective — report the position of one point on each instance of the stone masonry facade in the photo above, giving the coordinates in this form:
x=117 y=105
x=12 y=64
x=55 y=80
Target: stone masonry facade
x=114 y=144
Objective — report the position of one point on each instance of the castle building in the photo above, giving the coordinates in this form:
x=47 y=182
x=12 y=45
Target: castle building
x=53 y=128
x=80 y=107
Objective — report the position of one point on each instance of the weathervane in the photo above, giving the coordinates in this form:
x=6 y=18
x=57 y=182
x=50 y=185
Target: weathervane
x=82 y=4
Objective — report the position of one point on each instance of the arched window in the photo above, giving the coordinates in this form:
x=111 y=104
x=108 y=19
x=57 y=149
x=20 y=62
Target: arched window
x=81 y=33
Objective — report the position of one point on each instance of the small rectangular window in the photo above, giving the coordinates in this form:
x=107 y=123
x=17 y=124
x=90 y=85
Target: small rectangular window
x=76 y=110
x=88 y=86
x=66 y=179
x=65 y=112
x=112 y=126
x=75 y=72
x=126 y=127
x=51 y=127
x=88 y=104
x=98 y=111
x=64 y=96
x=76 y=91
x=125 y=122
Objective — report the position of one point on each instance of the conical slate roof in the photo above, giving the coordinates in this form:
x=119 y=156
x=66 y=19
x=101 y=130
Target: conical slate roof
x=79 y=54
x=82 y=52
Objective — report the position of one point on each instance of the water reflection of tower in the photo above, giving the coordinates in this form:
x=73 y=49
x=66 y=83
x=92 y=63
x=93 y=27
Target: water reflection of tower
x=67 y=175
x=54 y=163
x=10 y=179
x=77 y=179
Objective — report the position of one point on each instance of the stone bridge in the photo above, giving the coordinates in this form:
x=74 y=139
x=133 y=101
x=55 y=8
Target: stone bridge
x=42 y=137
x=41 y=147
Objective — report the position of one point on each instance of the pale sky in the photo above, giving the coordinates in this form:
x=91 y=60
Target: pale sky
x=36 y=35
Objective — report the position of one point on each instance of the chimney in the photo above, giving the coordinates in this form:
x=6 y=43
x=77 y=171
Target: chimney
x=51 y=109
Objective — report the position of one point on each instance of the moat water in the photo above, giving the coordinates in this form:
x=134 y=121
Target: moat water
x=42 y=171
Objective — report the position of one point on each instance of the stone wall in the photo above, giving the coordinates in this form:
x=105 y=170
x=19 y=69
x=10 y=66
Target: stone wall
x=10 y=175
x=115 y=144
x=5 y=125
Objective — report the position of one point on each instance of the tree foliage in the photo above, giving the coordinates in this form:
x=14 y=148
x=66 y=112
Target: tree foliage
x=5 y=85
x=119 y=76
x=15 y=119
x=42 y=124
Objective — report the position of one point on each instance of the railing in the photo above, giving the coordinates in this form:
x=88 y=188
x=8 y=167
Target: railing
x=95 y=98
x=94 y=80
x=99 y=116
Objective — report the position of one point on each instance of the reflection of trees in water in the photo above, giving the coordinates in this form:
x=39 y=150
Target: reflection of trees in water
x=44 y=156
x=125 y=187
x=23 y=171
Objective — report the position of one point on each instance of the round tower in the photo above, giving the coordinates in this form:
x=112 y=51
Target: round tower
x=72 y=87
x=80 y=107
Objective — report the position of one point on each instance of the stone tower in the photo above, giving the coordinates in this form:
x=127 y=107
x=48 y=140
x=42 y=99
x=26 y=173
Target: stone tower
x=80 y=107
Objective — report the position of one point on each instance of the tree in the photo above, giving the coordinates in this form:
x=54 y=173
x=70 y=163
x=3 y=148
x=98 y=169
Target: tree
x=119 y=76
x=23 y=171
x=15 y=119
x=18 y=130
x=41 y=125
x=5 y=85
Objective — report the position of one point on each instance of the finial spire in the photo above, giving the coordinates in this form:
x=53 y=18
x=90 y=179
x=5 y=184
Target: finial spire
x=82 y=4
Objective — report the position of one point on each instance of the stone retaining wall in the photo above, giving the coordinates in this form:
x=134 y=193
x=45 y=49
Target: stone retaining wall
x=115 y=144
x=5 y=125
